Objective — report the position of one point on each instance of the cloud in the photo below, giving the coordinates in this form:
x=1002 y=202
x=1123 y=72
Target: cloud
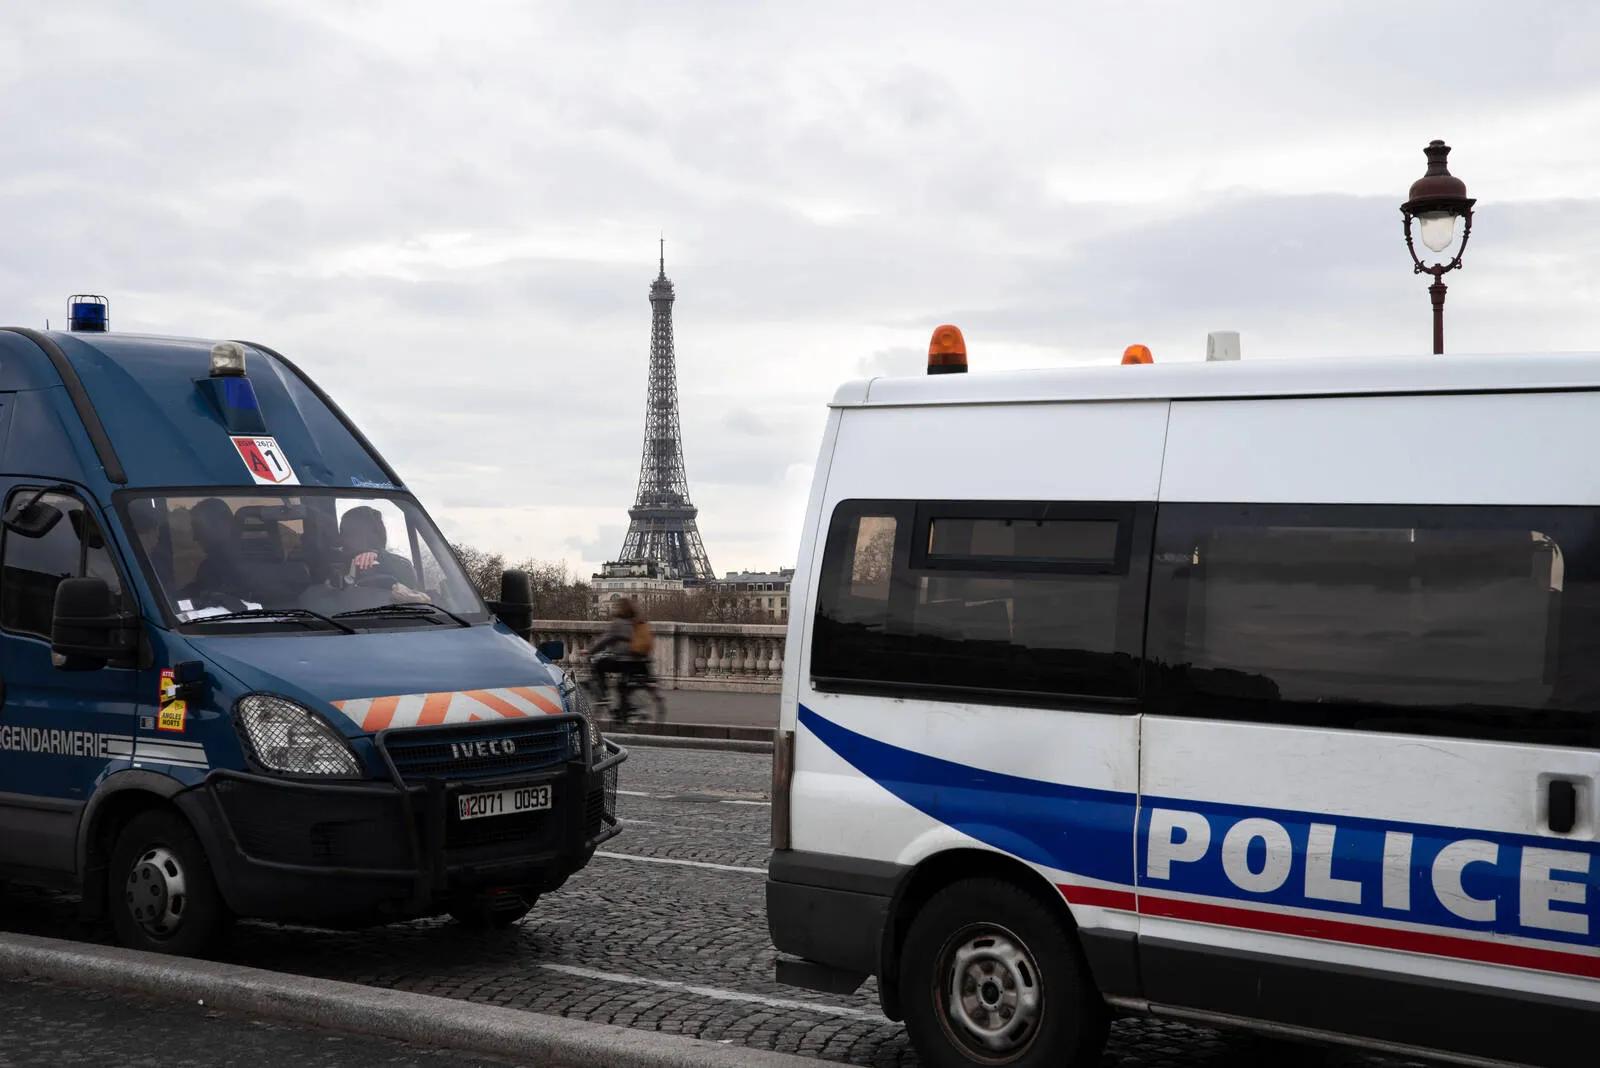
x=448 y=214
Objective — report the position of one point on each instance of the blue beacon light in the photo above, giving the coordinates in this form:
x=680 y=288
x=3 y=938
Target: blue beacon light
x=88 y=313
x=231 y=391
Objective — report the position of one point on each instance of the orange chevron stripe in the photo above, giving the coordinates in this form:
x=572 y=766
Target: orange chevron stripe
x=499 y=704
x=434 y=706
x=528 y=693
x=381 y=713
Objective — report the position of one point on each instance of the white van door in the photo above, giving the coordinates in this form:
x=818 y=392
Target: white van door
x=968 y=670
x=1372 y=740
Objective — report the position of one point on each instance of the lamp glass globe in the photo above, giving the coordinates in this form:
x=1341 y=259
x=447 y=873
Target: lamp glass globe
x=1438 y=229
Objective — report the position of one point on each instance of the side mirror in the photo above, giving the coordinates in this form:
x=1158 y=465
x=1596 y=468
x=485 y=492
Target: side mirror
x=87 y=631
x=515 y=606
x=32 y=518
x=553 y=651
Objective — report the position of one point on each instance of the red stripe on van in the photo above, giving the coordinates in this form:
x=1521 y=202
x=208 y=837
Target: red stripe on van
x=1360 y=934
x=1099 y=897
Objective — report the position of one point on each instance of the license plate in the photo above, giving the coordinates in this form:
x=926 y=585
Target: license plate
x=503 y=802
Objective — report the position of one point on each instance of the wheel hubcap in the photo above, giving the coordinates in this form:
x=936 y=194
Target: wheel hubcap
x=157 y=892
x=993 y=997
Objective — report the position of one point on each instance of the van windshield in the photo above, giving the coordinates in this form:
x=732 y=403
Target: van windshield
x=216 y=554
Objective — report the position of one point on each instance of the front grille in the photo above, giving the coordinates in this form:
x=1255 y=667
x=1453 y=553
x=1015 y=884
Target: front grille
x=482 y=750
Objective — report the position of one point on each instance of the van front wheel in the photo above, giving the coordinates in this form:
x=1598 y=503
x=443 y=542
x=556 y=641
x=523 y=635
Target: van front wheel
x=991 y=976
x=162 y=894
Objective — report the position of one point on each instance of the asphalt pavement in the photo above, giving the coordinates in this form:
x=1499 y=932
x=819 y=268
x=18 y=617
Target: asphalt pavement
x=664 y=931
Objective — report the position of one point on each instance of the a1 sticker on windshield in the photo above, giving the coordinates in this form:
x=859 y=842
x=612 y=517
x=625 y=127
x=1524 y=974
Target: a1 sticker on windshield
x=266 y=461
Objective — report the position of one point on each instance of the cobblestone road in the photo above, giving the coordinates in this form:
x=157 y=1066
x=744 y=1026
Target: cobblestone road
x=665 y=931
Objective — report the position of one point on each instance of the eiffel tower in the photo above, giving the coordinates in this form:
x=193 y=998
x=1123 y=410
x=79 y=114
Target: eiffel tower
x=662 y=526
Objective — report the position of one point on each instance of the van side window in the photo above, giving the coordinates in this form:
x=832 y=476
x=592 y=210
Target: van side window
x=959 y=599
x=33 y=567
x=1478 y=622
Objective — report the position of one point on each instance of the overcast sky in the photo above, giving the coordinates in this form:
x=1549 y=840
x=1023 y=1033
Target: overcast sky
x=447 y=212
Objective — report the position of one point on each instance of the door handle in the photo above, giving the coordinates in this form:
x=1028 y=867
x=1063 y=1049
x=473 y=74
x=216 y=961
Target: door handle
x=1561 y=812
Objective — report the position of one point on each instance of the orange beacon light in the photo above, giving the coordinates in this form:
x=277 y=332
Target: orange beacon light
x=1137 y=354
x=947 y=351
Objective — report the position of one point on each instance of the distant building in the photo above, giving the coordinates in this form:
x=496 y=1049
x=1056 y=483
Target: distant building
x=763 y=592
x=638 y=579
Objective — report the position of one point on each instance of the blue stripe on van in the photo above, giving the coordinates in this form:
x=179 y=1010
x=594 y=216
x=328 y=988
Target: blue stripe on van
x=1479 y=882
x=1071 y=828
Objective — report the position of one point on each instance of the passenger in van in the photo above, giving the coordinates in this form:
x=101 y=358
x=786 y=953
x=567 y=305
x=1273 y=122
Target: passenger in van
x=220 y=572
x=365 y=541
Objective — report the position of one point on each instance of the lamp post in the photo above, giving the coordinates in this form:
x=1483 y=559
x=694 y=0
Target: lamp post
x=1437 y=200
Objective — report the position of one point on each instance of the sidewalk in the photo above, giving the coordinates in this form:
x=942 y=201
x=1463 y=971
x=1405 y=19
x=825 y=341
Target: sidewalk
x=43 y=1022
x=722 y=709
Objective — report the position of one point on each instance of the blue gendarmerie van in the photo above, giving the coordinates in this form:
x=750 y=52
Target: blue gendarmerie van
x=241 y=672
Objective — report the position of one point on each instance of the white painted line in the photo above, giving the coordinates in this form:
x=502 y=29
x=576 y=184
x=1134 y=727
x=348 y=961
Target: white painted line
x=633 y=793
x=685 y=863
x=767 y=804
x=714 y=992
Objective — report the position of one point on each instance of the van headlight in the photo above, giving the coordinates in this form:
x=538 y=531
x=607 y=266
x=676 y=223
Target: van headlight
x=288 y=737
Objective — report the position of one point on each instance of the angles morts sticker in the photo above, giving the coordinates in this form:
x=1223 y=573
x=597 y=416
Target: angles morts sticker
x=265 y=460
x=172 y=711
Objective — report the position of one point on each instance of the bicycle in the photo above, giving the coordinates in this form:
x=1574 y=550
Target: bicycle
x=619 y=709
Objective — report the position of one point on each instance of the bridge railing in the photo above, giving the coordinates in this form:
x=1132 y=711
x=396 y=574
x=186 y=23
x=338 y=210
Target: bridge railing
x=733 y=657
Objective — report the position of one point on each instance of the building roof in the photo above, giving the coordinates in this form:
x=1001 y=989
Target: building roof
x=1235 y=379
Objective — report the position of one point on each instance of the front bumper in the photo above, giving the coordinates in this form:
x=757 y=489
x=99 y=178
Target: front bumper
x=287 y=849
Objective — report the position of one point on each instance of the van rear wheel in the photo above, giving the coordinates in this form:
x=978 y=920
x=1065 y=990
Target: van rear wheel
x=991 y=976
x=162 y=894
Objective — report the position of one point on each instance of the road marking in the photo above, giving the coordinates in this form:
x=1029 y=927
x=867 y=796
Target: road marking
x=714 y=992
x=673 y=860
x=767 y=804
x=633 y=793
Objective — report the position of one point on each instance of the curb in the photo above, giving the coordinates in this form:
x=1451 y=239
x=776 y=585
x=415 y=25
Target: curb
x=421 y=1019
x=661 y=741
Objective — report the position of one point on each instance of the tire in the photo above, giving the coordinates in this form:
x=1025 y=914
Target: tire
x=491 y=912
x=1029 y=999
x=162 y=895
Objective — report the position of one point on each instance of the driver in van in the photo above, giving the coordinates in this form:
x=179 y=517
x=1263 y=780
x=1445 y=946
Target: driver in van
x=365 y=541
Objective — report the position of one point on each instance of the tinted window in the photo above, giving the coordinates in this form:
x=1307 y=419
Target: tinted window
x=959 y=598
x=1443 y=620
x=34 y=567
x=1053 y=540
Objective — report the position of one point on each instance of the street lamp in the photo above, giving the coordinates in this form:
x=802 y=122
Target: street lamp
x=1437 y=200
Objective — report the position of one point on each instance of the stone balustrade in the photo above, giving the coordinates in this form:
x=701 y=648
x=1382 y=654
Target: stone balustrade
x=737 y=657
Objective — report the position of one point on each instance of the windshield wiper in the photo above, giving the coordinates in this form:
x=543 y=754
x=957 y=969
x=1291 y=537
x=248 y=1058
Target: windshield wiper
x=403 y=608
x=298 y=615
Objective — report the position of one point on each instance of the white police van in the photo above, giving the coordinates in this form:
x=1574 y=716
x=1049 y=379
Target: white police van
x=1261 y=694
